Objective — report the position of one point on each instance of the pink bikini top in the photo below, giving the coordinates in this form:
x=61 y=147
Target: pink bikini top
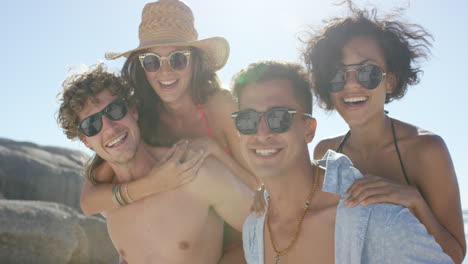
x=207 y=128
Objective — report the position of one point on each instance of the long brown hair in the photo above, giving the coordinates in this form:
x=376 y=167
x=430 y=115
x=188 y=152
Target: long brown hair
x=202 y=84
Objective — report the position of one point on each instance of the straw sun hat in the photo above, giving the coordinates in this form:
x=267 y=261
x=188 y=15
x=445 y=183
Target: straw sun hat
x=171 y=23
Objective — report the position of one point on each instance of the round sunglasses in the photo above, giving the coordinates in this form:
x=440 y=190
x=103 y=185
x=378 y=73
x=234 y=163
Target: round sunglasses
x=368 y=75
x=92 y=125
x=177 y=60
x=278 y=119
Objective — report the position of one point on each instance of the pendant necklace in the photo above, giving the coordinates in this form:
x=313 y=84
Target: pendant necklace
x=282 y=252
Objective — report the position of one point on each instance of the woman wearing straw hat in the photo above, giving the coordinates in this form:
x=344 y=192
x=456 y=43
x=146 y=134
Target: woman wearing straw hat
x=179 y=96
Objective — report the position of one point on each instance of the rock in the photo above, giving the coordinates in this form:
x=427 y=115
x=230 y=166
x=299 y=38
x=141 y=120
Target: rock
x=45 y=232
x=40 y=217
x=32 y=172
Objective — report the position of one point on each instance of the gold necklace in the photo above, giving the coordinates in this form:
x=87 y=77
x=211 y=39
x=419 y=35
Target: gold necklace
x=280 y=253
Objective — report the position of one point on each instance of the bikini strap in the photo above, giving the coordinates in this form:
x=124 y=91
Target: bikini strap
x=395 y=142
x=343 y=141
x=205 y=122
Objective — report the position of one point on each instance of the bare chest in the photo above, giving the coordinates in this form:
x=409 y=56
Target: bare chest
x=315 y=242
x=172 y=227
x=385 y=164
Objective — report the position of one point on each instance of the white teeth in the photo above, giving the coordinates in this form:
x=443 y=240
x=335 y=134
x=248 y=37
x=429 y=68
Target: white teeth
x=266 y=151
x=355 y=99
x=167 y=82
x=115 y=141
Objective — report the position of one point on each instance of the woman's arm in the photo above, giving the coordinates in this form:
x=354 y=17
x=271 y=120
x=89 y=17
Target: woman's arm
x=440 y=210
x=213 y=148
x=172 y=171
x=434 y=199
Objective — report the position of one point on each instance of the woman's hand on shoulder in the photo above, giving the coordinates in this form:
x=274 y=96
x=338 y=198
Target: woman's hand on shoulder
x=178 y=166
x=374 y=189
x=222 y=105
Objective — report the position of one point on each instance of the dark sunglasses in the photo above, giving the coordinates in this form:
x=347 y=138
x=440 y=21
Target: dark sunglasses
x=177 y=60
x=278 y=119
x=368 y=75
x=92 y=125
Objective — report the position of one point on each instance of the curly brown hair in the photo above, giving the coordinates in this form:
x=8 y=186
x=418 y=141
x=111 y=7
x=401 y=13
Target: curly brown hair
x=267 y=70
x=402 y=44
x=81 y=87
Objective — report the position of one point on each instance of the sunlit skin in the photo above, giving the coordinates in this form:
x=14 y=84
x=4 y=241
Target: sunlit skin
x=270 y=154
x=433 y=196
x=125 y=131
x=171 y=85
x=180 y=114
x=288 y=177
x=182 y=225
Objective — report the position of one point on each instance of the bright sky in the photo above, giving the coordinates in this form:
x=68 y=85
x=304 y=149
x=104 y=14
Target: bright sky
x=42 y=39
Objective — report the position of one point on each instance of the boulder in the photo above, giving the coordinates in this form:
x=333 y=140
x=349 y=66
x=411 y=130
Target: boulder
x=46 y=232
x=40 y=217
x=32 y=172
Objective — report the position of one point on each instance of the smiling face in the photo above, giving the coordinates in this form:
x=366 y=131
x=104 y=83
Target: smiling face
x=118 y=141
x=171 y=85
x=273 y=154
x=355 y=103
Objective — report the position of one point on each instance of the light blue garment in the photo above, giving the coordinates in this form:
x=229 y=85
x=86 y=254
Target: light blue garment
x=378 y=233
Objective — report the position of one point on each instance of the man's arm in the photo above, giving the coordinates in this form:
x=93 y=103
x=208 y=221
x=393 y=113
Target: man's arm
x=222 y=190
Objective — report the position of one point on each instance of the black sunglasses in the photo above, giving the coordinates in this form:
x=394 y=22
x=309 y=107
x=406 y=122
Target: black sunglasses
x=178 y=60
x=368 y=75
x=278 y=119
x=92 y=125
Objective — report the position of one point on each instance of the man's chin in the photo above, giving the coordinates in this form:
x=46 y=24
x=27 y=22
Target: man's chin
x=267 y=173
x=121 y=158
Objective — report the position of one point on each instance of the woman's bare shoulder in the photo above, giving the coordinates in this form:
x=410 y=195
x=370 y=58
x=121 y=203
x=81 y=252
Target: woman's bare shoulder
x=424 y=152
x=418 y=139
x=221 y=105
x=326 y=144
x=220 y=98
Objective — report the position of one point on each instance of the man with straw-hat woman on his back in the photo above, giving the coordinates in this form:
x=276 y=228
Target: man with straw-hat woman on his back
x=179 y=96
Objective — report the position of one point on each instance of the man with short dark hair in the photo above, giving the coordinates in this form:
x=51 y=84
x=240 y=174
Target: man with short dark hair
x=305 y=220
x=182 y=225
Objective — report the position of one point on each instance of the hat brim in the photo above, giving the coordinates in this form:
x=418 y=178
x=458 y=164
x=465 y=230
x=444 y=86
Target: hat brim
x=215 y=51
